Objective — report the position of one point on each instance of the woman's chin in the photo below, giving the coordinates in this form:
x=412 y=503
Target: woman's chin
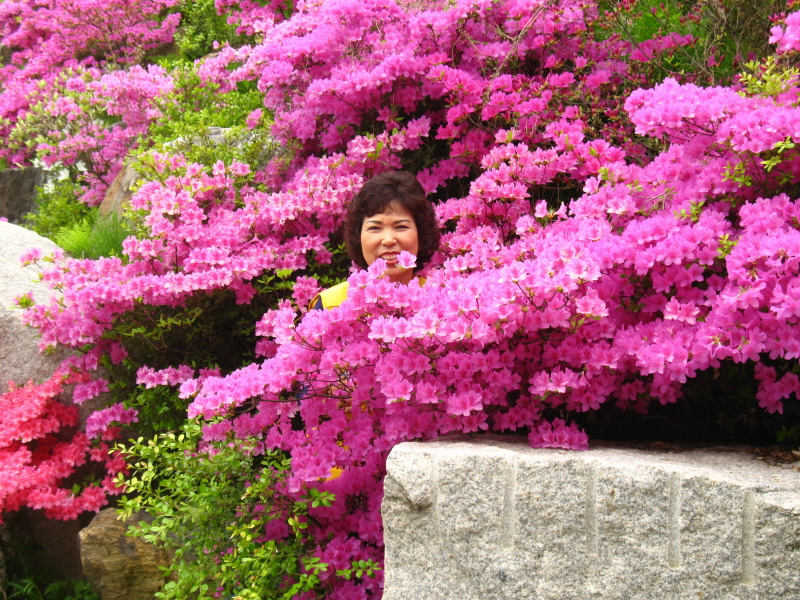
x=398 y=275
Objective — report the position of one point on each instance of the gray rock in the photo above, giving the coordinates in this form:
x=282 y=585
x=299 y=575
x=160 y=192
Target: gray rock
x=18 y=192
x=20 y=359
x=117 y=566
x=495 y=519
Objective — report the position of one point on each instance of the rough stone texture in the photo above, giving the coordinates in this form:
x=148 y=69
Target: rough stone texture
x=18 y=192
x=119 y=567
x=20 y=360
x=494 y=519
x=119 y=192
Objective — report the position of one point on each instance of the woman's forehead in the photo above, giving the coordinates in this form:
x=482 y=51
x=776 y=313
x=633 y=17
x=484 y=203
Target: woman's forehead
x=395 y=211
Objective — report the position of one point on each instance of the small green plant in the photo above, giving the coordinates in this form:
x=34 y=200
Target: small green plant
x=29 y=589
x=94 y=236
x=788 y=435
x=212 y=503
x=57 y=208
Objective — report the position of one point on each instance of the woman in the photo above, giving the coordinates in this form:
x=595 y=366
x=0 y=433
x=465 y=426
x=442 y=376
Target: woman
x=388 y=216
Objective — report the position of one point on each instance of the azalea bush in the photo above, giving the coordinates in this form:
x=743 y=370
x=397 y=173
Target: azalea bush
x=607 y=236
x=40 y=449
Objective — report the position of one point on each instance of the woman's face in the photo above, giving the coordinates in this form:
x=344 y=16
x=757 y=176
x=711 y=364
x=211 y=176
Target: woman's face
x=385 y=235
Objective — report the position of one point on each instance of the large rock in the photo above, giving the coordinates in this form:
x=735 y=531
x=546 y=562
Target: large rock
x=119 y=192
x=117 y=566
x=20 y=359
x=494 y=519
x=18 y=192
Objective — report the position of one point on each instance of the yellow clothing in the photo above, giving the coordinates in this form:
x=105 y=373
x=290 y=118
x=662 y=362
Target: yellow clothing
x=333 y=296
x=328 y=299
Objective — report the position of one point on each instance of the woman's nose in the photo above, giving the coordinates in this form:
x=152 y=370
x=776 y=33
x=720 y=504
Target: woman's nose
x=389 y=238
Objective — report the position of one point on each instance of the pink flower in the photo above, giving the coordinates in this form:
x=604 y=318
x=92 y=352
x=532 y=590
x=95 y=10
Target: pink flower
x=253 y=118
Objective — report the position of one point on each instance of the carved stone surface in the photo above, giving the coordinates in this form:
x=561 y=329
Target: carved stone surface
x=494 y=519
x=20 y=360
x=119 y=567
x=18 y=192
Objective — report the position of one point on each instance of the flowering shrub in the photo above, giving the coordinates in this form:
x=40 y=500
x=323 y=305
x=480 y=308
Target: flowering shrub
x=40 y=449
x=602 y=245
x=79 y=93
x=87 y=121
x=233 y=531
x=51 y=37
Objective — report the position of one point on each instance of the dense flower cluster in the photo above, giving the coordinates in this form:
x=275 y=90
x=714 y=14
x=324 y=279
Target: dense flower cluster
x=88 y=120
x=39 y=450
x=617 y=287
x=787 y=37
x=75 y=98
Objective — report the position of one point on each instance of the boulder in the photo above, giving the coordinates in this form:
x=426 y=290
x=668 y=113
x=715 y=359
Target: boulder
x=117 y=566
x=494 y=519
x=20 y=360
x=18 y=192
x=119 y=192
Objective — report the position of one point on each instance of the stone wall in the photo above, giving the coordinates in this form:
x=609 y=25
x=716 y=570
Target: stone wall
x=494 y=519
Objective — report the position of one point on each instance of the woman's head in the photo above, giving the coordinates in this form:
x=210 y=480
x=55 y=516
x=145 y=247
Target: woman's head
x=388 y=215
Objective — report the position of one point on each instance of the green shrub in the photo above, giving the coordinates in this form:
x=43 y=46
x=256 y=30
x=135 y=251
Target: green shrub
x=211 y=506
x=94 y=236
x=57 y=209
x=201 y=26
x=196 y=108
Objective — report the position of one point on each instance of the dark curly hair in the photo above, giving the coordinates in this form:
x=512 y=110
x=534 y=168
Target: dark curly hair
x=375 y=197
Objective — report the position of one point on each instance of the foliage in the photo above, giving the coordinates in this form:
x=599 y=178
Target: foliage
x=94 y=237
x=57 y=208
x=28 y=589
x=202 y=28
x=207 y=125
x=224 y=509
x=722 y=34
